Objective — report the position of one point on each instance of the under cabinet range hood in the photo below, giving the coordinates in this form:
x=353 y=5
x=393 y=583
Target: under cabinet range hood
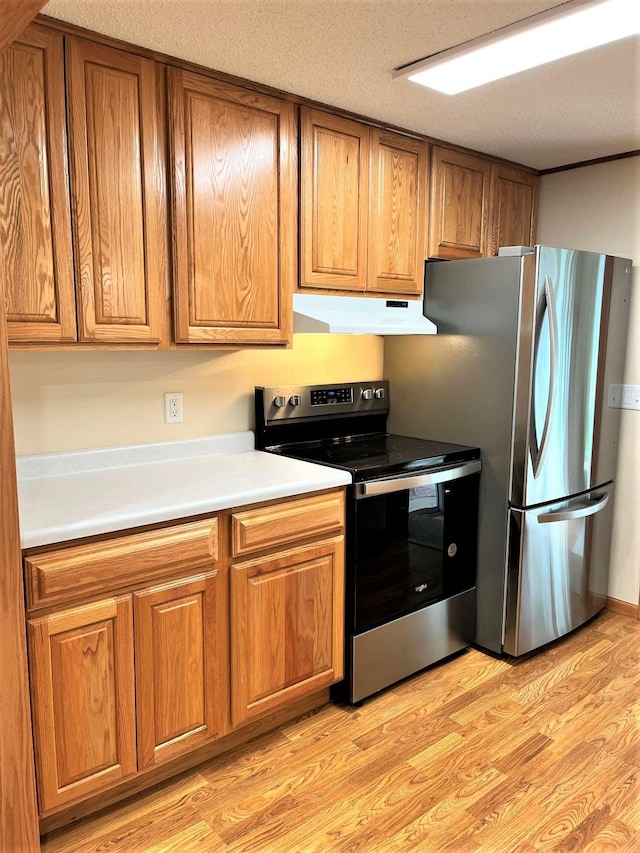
x=356 y=315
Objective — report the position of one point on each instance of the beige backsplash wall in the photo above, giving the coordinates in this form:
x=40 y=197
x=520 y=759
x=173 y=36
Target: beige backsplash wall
x=71 y=400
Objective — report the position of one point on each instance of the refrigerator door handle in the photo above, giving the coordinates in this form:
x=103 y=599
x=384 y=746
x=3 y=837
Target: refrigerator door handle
x=580 y=509
x=546 y=304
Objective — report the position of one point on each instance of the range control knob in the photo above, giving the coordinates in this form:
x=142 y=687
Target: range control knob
x=295 y=400
x=279 y=401
x=379 y=393
x=367 y=394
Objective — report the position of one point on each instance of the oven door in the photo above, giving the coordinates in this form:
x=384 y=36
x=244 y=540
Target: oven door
x=414 y=542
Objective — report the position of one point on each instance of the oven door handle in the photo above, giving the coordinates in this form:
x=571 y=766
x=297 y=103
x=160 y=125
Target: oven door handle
x=399 y=484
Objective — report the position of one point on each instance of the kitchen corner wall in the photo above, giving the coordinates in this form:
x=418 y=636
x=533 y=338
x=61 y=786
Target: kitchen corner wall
x=598 y=208
x=65 y=400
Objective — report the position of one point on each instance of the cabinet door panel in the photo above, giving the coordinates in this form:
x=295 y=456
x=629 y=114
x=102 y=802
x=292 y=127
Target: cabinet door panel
x=514 y=207
x=397 y=219
x=83 y=699
x=181 y=670
x=334 y=201
x=287 y=627
x=36 y=268
x=234 y=204
x=459 y=205
x=117 y=193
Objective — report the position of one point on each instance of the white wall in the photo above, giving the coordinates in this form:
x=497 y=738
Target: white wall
x=598 y=208
x=71 y=400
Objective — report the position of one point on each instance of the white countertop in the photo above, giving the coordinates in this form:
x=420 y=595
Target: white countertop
x=64 y=496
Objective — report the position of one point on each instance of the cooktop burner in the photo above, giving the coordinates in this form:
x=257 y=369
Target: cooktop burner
x=345 y=426
x=377 y=455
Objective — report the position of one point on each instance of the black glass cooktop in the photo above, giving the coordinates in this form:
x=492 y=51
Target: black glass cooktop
x=378 y=455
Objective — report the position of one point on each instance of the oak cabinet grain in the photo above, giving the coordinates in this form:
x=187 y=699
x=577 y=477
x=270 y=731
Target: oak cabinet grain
x=181 y=666
x=82 y=689
x=234 y=206
x=118 y=184
x=284 y=523
x=460 y=193
x=36 y=266
x=98 y=186
x=514 y=207
x=147 y=646
x=362 y=207
x=479 y=205
x=286 y=602
x=334 y=195
x=287 y=627
x=397 y=213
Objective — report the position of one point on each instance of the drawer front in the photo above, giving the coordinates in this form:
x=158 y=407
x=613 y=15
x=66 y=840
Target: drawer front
x=278 y=524
x=72 y=573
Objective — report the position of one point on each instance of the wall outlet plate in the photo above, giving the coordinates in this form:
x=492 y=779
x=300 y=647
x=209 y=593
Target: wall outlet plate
x=173 y=407
x=614 y=400
x=631 y=397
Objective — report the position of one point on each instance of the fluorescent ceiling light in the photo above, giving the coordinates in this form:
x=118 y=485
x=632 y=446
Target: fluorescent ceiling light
x=562 y=31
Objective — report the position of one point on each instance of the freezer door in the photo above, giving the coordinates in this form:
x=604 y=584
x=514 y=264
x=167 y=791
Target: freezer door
x=558 y=568
x=567 y=321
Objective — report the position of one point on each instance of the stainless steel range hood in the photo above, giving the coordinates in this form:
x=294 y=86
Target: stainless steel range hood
x=356 y=315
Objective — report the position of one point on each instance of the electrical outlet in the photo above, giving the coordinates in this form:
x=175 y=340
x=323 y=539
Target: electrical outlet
x=173 y=408
x=615 y=397
x=631 y=397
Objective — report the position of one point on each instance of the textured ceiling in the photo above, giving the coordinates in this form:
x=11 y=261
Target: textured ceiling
x=342 y=52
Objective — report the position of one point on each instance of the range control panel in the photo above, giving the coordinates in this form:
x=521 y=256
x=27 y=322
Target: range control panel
x=281 y=403
x=331 y=396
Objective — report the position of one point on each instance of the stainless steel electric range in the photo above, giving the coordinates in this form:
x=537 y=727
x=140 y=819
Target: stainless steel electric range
x=411 y=528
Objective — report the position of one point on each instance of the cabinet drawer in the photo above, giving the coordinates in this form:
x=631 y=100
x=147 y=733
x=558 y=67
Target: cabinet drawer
x=72 y=573
x=270 y=526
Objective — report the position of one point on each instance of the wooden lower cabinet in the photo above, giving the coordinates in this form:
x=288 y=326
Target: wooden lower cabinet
x=180 y=648
x=82 y=689
x=287 y=615
x=181 y=674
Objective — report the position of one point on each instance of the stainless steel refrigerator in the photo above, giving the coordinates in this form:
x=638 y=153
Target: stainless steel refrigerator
x=525 y=365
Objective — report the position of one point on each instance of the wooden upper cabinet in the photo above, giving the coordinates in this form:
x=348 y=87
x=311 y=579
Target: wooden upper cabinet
x=36 y=267
x=397 y=213
x=118 y=193
x=234 y=196
x=460 y=193
x=333 y=201
x=514 y=207
x=363 y=207
x=182 y=681
x=82 y=689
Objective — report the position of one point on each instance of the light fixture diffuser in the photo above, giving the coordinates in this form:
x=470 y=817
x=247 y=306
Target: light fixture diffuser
x=571 y=28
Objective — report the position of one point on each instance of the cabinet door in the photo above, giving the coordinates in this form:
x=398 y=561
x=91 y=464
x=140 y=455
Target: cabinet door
x=82 y=689
x=287 y=626
x=36 y=267
x=333 y=201
x=182 y=682
x=234 y=180
x=118 y=194
x=397 y=214
x=514 y=207
x=459 y=205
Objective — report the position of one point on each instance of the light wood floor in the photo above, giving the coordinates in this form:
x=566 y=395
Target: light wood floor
x=475 y=754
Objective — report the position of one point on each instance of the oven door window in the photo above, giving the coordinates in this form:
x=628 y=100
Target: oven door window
x=412 y=548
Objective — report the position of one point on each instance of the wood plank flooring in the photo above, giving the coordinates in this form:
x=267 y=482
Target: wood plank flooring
x=476 y=754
